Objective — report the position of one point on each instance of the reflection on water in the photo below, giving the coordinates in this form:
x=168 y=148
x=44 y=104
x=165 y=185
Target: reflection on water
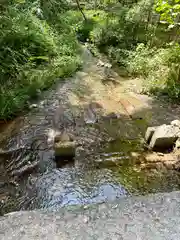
x=69 y=186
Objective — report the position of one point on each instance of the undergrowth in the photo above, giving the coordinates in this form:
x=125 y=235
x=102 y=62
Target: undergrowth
x=159 y=67
x=34 y=53
x=39 y=44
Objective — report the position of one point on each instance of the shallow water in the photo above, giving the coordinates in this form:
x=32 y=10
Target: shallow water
x=108 y=154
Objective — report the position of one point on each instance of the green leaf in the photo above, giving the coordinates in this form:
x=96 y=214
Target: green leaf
x=176 y=7
x=20 y=1
x=39 y=57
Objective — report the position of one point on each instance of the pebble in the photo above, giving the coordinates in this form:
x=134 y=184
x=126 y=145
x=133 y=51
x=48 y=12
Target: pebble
x=115 y=206
x=160 y=154
x=85 y=219
x=33 y=106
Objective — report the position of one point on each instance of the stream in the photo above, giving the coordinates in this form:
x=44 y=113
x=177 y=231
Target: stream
x=108 y=153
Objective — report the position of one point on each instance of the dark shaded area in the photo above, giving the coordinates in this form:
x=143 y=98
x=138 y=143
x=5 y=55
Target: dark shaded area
x=64 y=161
x=84 y=29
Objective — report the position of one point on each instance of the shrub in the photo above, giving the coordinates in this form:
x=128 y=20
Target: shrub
x=159 y=67
x=32 y=55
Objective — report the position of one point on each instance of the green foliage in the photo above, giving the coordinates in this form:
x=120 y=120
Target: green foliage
x=159 y=67
x=38 y=43
x=123 y=28
x=84 y=28
x=169 y=10
x=132 y=35
x=52 y=8
x=141 y=60
x=33 y=53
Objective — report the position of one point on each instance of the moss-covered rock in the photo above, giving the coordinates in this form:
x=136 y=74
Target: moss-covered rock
x=65 y=149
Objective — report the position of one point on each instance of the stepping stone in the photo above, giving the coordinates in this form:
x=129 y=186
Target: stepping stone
x=65 y=149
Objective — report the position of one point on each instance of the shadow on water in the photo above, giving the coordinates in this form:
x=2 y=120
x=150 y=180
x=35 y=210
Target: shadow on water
x=110 y=157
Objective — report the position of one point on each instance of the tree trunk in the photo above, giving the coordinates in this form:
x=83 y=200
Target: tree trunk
x=80 y=9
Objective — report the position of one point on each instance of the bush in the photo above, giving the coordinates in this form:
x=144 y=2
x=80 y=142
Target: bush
x=159 y=67
x=83 y=29
x=32 y=55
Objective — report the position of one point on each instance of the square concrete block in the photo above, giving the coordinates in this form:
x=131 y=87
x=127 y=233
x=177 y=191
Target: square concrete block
x=149 y=133
x=164 y=137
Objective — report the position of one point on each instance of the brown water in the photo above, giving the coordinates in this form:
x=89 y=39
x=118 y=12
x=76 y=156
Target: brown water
x=108 y=122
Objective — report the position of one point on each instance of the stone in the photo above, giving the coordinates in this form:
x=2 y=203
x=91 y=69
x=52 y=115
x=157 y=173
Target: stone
x=90 y=116
x=111 y=115
x=160 y=154
x=149 y=133
x=33 y=106
x=85 y=219
x=122 y=219
x=164 y=137
x=108 y=65
x=160 y=167
x=169 y=165
x=81 y=74
x=177 y=144
x=65 y=149
x=100 y=63
x=177 y=166
x=176 y=123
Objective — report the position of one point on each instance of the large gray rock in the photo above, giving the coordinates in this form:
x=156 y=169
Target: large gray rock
x=164 y=137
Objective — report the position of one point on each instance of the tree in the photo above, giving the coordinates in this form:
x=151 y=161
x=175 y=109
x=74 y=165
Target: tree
x=80 y=9
x=169 y=11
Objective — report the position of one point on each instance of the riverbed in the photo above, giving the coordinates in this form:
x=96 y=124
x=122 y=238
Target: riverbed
x=108 y=119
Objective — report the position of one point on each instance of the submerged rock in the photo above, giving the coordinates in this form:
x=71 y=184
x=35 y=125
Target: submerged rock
x=90 y=116
x=111 y=115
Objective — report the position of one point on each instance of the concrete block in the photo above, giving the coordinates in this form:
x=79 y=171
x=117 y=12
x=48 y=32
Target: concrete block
x=149 y=133
x=164 y=137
